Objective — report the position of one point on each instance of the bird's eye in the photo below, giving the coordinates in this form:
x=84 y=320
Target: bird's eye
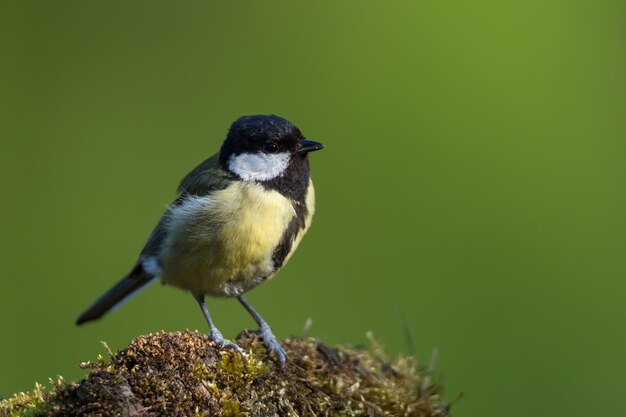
x=271 y=147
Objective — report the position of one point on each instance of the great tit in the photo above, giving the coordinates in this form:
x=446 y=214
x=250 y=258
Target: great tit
x=239 y=217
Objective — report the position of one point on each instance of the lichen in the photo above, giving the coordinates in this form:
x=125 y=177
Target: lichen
x=185 y=374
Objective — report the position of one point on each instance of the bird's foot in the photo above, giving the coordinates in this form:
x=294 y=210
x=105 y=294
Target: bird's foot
x=272 y=344
x=218 y=339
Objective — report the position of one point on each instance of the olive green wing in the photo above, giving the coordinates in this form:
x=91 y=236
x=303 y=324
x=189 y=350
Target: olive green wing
x=202 y=180
x=205 y=178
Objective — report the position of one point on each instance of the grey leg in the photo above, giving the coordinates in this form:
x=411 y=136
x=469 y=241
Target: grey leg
x=216 y=335
x=272 y=344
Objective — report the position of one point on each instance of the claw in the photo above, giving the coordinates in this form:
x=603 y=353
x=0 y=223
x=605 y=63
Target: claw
x=216 y=335
x=273 y=345
x=230 y=345
x=222 y=343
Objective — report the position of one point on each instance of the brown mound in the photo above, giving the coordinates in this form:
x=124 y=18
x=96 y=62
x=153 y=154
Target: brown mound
x=184 y=374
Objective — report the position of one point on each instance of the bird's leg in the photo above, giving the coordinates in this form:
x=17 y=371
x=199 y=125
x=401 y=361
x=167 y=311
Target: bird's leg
x=216 y=335
x=272 y=344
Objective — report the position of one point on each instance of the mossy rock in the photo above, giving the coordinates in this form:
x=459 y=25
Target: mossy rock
x=185 y=374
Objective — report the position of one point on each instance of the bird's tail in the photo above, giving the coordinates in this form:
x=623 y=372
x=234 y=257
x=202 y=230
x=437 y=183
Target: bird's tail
x=128 y=286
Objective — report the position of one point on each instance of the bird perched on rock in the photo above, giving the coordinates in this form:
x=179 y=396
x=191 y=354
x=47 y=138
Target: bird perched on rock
x=239 y=217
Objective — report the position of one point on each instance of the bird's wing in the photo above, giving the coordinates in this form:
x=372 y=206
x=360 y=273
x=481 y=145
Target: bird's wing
x=202 y=180
x=205 y=178
x=153 y=245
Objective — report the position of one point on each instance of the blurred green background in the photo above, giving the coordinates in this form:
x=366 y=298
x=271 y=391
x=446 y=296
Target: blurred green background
x=473 y=181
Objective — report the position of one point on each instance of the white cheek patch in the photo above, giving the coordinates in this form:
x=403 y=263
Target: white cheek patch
x=258 y=166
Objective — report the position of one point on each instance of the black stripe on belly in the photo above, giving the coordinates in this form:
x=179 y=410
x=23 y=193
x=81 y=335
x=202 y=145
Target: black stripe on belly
x=293 y=228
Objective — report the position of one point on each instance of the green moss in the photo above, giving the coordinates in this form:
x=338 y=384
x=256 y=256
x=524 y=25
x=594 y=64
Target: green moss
x=243 y=366
x=184 y=373
x=27 y=404
x=231 y=408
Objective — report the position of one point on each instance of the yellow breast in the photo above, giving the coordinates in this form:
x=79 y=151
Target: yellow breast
x=222 y=244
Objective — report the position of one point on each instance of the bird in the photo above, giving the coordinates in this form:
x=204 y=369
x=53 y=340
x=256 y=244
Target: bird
x=237 y=220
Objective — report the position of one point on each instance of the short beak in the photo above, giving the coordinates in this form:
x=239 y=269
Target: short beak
x=307 y=146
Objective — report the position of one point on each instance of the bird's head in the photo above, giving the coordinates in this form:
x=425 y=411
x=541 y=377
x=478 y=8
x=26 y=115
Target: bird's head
x=263 y=148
